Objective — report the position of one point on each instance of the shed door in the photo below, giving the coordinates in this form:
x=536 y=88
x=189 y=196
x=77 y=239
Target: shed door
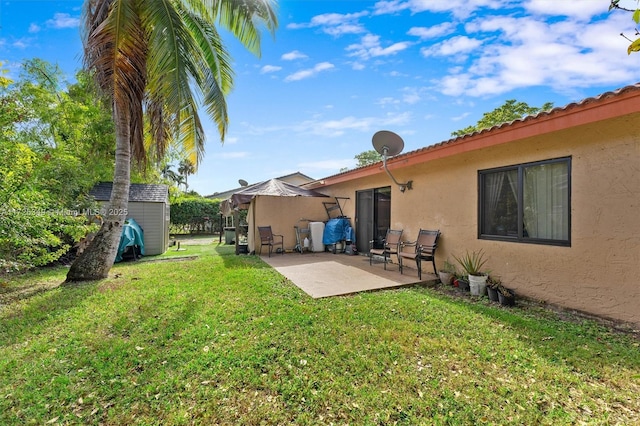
x=373 y=216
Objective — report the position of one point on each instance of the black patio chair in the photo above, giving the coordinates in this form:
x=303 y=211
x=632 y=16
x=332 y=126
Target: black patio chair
x=267 y=238
x=390 y=245
x=424 y=248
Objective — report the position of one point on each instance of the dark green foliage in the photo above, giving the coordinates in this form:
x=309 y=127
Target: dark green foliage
x=195 y=215
x=368 y=157
x=55 y=143
x=509 y=111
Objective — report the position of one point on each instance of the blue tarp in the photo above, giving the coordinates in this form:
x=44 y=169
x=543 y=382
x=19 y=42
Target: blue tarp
x=336 y=230
x=132 y=236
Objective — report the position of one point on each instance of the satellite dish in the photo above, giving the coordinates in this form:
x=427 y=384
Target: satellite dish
x=243 y=182
x=387 y=143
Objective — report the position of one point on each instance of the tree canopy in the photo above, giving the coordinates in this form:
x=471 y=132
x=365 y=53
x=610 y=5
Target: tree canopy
x=49 y=131
x=368 y=157
x=509 y=111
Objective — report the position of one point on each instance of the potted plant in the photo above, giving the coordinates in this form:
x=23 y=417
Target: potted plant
x=506 y=296
x=447 y=273
x=492 y=287
x=472 y=263
x=461 y=281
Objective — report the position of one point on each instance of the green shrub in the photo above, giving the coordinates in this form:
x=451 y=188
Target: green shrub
x=35 y=231
x=195 y=215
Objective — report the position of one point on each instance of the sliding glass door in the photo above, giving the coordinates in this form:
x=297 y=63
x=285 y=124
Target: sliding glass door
x=373 y=216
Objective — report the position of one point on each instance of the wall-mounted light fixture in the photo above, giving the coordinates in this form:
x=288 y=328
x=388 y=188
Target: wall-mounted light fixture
x=389 y=144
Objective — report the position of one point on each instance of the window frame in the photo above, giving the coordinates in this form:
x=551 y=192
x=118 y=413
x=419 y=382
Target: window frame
x=520 y=238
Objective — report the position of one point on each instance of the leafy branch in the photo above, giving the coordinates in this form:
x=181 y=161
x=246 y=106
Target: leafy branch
x=635 y=44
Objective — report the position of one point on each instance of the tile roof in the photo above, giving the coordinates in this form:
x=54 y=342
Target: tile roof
x=574 y=107
x=142 y=192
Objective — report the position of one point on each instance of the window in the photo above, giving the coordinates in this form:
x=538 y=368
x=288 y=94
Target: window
x=527 y=203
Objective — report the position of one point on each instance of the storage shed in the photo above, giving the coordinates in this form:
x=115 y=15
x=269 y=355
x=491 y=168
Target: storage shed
x=149 y=206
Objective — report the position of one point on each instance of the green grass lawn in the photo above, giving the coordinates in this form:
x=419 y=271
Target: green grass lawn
x=225 y=339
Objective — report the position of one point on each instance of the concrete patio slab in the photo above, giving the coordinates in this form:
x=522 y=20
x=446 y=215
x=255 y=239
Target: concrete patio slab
x=326 y=274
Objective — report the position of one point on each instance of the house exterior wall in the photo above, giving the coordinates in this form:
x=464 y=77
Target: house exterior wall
x=597 y=274
x=295 y=179
x=283 y=213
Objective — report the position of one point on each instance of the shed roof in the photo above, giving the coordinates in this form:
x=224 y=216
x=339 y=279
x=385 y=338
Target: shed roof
x=140 y=192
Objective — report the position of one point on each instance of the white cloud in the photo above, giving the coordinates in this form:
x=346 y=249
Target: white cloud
x=454 y=46
x=335 y=24
x=458 y=8
x=387 y=101
x=269 y=69
x=524 y=52
x=411 y=95
x=63 y=20
x=434 y=31
x=328 y=19
x=308 y=73
x=293 y=55
x=581 y=11
x=338 y=127
x=390 y=7
x=22 y=43
x=34 y=28
x=369 y=47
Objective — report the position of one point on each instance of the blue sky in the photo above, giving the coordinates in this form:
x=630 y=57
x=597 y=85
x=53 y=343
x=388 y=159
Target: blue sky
x=338 y=71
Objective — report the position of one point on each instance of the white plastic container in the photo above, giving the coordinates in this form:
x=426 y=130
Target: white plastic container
x=316 y=229
x=478 y=285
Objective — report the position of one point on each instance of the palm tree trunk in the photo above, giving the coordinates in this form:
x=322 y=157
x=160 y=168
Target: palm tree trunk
x=96 y=261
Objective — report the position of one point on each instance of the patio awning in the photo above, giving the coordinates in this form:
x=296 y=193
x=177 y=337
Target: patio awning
x=273 y=187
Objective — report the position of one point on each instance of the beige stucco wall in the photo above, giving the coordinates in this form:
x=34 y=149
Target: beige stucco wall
x=599 y=273
x=283 y=213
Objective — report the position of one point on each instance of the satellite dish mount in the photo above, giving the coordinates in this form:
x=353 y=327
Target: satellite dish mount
x=389 y=144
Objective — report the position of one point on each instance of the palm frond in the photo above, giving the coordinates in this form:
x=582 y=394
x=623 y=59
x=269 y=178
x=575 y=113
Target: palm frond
x=215 y=65
x=241 y=18
x=174 y=67
x=116 y=51
x=191 y=134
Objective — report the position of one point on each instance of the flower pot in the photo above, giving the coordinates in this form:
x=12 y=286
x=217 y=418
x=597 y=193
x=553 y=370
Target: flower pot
x=506 y=299
x=478 y=285
x=463 y=284
x=445 y=277
x=493 y=294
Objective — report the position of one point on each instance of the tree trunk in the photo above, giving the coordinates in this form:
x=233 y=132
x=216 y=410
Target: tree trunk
x=96 y=261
